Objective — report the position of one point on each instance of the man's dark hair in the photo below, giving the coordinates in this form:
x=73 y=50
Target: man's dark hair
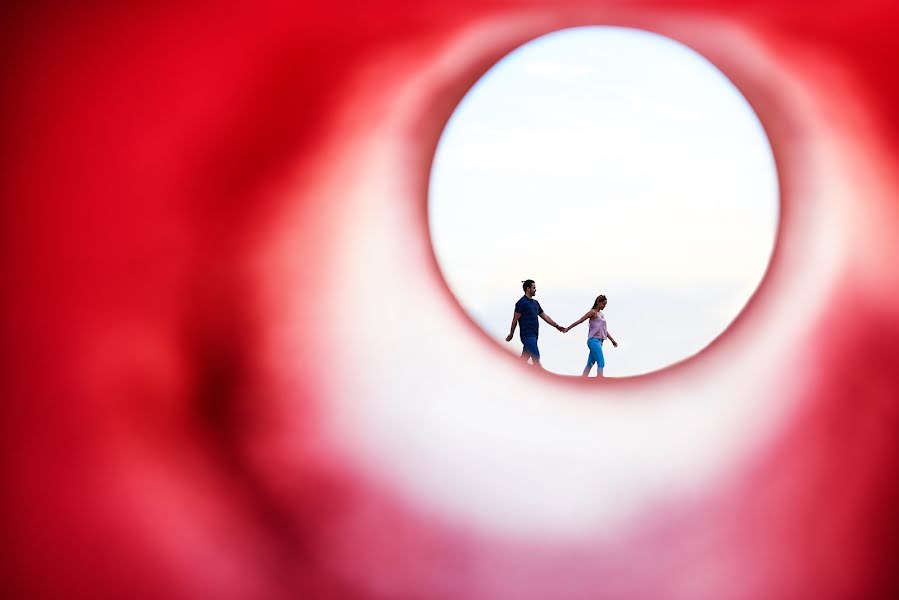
x=526 y=284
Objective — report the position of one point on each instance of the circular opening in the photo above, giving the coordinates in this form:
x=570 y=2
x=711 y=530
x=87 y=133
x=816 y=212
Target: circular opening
x=605 y=160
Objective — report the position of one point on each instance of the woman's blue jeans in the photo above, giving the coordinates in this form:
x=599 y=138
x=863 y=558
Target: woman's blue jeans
x=595 y=356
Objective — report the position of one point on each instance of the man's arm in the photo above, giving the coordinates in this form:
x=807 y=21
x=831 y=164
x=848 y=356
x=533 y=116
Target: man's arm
x=515 y=318
x=549 y=320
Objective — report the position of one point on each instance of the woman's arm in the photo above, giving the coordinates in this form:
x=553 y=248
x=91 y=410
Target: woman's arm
x=611 y=339
x=515 y=318
x=590 y=314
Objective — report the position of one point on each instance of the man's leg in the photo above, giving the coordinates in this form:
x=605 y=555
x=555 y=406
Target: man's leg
x=530 y=349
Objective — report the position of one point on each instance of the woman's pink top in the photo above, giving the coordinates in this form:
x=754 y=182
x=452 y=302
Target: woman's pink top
x=597 y=327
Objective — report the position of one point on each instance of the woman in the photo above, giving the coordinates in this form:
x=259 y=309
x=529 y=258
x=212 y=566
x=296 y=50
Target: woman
x=596 y=333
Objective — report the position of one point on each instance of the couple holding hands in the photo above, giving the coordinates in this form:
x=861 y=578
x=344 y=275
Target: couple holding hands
x=526 y=312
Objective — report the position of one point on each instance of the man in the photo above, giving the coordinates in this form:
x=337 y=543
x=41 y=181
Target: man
x=526 y=312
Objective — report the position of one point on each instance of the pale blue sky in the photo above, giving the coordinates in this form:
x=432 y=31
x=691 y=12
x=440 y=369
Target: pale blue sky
x=605 y=160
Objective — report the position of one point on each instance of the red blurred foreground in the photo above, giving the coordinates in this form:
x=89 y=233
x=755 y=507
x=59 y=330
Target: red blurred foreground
x=173 y=181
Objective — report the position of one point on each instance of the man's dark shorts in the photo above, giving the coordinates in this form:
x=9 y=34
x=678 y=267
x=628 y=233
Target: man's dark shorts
x=530 y=347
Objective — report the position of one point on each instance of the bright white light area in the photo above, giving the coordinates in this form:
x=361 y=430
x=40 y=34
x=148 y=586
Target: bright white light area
x=605 y=160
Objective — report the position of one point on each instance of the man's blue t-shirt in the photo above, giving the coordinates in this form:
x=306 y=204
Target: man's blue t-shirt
x=528 y=308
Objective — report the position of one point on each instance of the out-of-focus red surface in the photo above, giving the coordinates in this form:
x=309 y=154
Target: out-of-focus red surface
x=148 y=152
